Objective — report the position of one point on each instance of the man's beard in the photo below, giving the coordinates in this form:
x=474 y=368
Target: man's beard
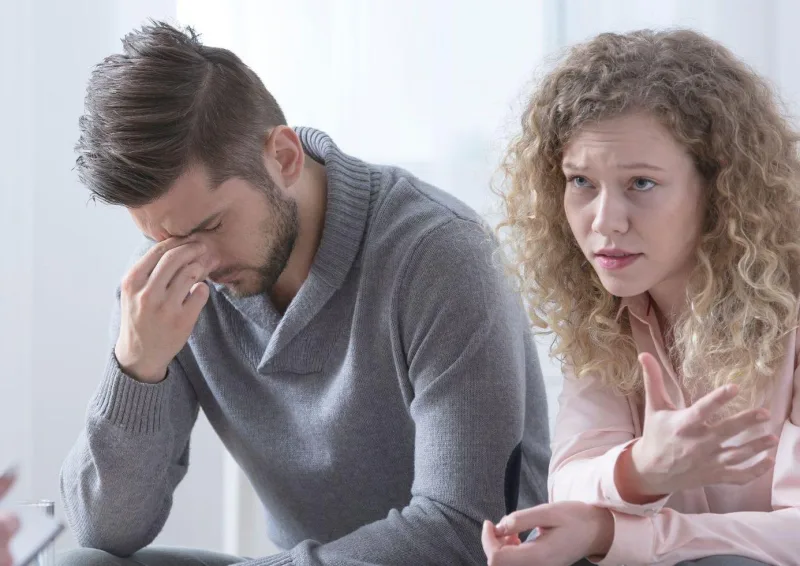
x=277 y=255
x=278 y=234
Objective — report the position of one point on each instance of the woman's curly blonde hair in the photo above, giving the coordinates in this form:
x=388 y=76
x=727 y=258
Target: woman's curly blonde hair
x=743 y=293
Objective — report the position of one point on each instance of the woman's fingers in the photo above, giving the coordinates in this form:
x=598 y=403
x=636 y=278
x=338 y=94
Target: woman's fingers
x=708 y=405
x=655 y=391
x=742 y=421
x=489 y=540
x=736 y=455
x=745 y=475
x=529 y=519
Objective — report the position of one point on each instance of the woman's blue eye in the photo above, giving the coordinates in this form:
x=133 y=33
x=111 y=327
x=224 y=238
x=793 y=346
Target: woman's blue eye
x=642 y=184
x=580 y=182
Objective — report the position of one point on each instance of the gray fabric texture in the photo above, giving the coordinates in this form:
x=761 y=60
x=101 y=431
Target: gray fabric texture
x=147 y=557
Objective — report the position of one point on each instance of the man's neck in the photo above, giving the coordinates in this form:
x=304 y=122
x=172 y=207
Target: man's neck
x=311 y=198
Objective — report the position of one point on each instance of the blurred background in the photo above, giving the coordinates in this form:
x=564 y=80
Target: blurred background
x=435 y=86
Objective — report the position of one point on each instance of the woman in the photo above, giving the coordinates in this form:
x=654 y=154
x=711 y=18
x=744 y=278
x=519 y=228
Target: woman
x=654 y=207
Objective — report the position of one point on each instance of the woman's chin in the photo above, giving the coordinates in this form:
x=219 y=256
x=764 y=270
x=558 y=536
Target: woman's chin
x=622 y=289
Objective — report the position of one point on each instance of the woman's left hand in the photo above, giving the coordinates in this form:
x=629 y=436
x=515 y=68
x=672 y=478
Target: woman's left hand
x=568 y=532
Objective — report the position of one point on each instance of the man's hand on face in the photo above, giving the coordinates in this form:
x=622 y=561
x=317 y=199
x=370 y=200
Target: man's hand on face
x=161 y=299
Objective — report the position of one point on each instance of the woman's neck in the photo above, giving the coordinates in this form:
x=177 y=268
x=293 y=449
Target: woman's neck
x=670 y=297
x=670 y=302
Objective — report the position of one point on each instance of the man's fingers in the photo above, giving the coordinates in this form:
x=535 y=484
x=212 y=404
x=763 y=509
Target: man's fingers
x=655 y=392
x=705 y=407
x=184 y=280
x=140 y=272
x=172 y=262
x=198 y=296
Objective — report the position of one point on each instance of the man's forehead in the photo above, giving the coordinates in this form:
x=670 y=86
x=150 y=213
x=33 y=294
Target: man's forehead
x=159 y=220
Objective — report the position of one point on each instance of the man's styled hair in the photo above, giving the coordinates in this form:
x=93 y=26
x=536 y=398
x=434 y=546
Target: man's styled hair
x=165 y=104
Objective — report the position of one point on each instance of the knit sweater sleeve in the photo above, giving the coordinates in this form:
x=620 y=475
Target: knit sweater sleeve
x=460 y=350
x=117 y=481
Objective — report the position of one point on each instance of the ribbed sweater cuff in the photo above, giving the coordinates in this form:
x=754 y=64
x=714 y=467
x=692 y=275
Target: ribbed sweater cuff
x=134 y=406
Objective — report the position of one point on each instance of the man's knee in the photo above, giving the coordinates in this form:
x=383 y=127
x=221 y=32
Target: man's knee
x=88 y=557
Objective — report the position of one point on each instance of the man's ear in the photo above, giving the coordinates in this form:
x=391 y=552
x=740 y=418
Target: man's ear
x=284 y=155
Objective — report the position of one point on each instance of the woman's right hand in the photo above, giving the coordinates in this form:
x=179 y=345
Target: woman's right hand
x=683 y=448
x=8 y=523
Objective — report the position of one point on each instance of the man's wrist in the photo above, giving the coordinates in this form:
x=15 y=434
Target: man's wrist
x=137 y=373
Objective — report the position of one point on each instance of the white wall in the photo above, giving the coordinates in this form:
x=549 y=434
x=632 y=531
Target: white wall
x=785 y=67
x=746 y=26
x=16 y=234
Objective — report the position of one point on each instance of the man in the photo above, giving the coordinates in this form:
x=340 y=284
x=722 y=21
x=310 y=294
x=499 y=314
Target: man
x=358 y=349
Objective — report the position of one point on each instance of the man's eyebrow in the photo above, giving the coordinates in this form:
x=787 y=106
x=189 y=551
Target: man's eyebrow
x=200 y=227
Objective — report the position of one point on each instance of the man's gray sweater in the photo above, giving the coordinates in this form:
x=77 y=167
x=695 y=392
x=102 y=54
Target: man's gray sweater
x=395 y=405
